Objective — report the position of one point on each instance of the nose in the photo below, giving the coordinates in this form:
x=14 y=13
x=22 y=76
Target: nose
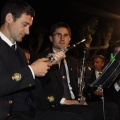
x=62 y=37
x=27 y=30
x=94 y=64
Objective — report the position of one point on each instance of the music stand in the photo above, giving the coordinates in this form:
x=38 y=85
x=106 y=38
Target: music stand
x=109 y=74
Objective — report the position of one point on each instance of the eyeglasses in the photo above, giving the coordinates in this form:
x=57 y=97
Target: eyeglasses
x=59 y=35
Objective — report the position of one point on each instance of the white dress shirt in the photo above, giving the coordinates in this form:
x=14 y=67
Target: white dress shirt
x=97 y=73
x=68 y=80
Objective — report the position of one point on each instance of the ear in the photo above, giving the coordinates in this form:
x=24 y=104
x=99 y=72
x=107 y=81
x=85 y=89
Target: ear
x=70 y=38
x=102 y=64
x=50 y=37
x=9 y=18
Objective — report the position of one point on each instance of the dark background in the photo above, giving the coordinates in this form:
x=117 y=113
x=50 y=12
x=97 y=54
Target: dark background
x=74 y=12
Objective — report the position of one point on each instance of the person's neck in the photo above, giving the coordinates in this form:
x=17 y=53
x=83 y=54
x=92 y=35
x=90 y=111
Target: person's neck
x=99 y=70
x=55 y=49
x=5 y=33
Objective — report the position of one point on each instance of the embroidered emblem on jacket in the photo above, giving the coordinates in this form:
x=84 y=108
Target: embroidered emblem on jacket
x=50 y=98
x=16 y=77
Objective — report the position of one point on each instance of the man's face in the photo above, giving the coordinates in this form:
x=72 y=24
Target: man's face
x=60 y=39
x=98 y=64
x=19 y=28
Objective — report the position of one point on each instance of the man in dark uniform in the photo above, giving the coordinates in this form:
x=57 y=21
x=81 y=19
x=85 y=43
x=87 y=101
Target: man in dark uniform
x=17 y=78
x=61 y=89
x=93 y=94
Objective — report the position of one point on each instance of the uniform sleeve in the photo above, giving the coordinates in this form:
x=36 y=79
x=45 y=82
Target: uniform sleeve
x=15 y=80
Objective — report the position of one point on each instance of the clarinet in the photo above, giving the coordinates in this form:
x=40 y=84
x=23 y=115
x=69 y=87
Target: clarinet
x=50 y=55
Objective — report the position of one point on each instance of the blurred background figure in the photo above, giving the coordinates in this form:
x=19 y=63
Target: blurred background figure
x=92 y=94
x=27 y=54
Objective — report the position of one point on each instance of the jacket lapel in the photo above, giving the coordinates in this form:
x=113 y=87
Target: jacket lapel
x=10 y=58
x=56 y=72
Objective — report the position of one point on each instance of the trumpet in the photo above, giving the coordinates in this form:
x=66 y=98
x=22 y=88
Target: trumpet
x=50 y=55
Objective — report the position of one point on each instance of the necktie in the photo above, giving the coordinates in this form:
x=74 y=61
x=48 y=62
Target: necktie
x=13 y=46
x=100 y=73
x=65 y=82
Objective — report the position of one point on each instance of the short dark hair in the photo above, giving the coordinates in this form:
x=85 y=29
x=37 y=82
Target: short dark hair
x=100 y=57
x=16 y=8
x=116 y=44
x=59 y=25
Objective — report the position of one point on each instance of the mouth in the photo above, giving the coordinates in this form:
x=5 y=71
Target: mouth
x=62 y=43
x=22 y=35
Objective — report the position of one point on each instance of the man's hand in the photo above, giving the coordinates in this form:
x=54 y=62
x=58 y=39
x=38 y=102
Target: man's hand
x=40 y=67
x=99 y=91
x=73 y=102
x=58 y=56
x=118 y=82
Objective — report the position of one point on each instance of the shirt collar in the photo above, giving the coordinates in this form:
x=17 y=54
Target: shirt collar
x=98 y=73
x=53 y=50
x=4 y=38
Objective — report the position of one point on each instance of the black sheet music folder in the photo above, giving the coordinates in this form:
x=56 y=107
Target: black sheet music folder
x=109 y=74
